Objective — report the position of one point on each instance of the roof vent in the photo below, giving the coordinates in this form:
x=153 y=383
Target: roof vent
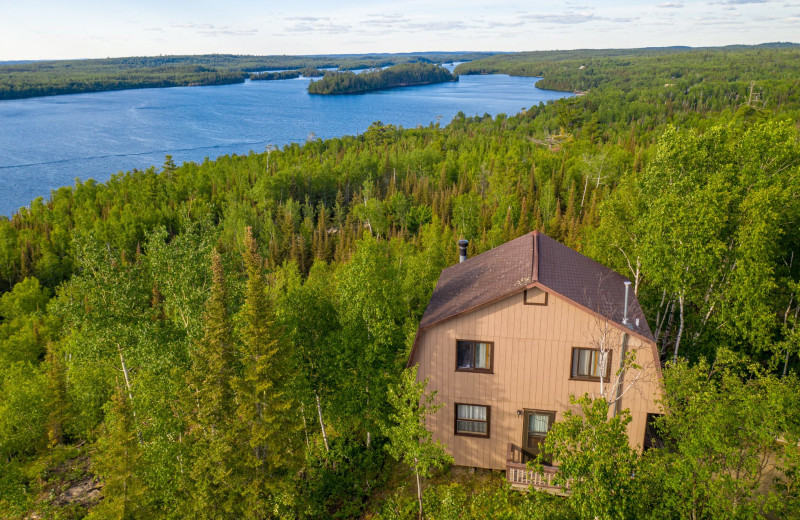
x=462 y=250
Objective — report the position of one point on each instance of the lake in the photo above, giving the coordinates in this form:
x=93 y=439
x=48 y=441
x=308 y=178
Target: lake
x=48 y=142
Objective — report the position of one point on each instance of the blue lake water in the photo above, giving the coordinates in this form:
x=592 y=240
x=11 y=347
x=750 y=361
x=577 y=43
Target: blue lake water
x=48 y=142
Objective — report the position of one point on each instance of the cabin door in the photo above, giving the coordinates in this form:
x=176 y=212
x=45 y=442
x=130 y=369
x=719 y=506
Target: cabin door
x=536 y=424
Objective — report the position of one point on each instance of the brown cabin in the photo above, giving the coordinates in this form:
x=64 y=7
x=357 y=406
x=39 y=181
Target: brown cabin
x=510 y=334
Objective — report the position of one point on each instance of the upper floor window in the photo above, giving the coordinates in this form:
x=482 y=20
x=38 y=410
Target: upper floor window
x=588 y=364
x=474 y=356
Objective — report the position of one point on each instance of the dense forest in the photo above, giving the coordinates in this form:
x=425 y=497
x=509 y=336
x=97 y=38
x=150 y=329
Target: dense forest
x=308 y=72
x=629 y=69
x=403 y=75
x=48 y=78
x=228 y=339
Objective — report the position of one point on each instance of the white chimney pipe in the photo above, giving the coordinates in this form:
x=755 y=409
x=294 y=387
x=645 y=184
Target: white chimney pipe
x=625 y=310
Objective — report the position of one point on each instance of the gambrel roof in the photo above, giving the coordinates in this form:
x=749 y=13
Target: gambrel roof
x=533 y=260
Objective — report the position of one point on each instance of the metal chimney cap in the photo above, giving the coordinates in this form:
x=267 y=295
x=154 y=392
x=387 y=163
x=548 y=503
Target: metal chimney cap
x=462 y=250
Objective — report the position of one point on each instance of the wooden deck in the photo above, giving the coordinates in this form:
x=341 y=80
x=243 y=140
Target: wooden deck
x=521 y=477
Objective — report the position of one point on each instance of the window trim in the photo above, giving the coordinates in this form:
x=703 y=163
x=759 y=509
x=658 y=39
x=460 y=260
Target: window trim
x=606 y=379
x=468 y=434
x=489 y=370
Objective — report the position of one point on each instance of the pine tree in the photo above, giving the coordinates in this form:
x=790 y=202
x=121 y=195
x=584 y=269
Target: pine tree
x=286 y=230
x=266 y=426
x=213 y=356
x=57 y=399
x=210 y=423
x=508 y=226
x=339 y=209
x=321 y=245
x=569 y=221
x=117 y=463
x=524 y=224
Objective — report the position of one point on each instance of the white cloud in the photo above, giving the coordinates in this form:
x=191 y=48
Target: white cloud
x=320 y=26
x=739 y=2
x=308 y=18
x=211 y=30
x=359 y=26
x=572 y=18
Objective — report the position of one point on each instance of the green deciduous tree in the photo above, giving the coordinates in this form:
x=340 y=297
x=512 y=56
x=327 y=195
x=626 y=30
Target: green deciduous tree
x=595 y=460
x=25 y=327
x=180 y=272
x=409 y=439
x=23 y=414
x=306 y=311
x=372 y=313
x=703 y=228
x=729 y=424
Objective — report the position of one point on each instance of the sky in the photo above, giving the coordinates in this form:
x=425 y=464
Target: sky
x=58 y=29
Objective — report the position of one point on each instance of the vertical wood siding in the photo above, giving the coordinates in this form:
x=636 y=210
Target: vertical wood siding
x=532 y=363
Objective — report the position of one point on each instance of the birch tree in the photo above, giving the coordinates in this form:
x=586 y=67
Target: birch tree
x=307 y=313
x=372 y=311
x=410 y=441
x=704 y=228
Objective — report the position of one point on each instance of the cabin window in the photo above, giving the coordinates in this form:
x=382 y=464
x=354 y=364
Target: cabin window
x=535 y=296
x=474 y=356
x=472 y=420
x=588 y=364
x=537 y=424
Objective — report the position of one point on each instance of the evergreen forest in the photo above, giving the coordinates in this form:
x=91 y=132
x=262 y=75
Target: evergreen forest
x=228 y=339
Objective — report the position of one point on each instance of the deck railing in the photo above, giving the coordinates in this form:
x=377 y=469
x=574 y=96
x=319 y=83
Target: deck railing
x=520 y=475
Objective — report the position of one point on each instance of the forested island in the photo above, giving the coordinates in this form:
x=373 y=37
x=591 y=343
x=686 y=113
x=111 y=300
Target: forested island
x=311 y=72
x=48 y=78
x=405 y=75
x=271 y=76
x=229 y=338
x=308 y=72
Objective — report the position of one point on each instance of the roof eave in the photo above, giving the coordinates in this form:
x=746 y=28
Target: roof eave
x=540 y=285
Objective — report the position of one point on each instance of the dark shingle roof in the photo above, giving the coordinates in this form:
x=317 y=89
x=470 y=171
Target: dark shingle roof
x=531 y=259
x=481 y=279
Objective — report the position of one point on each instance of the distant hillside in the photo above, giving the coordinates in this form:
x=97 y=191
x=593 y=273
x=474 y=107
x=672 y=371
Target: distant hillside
x=49 y=78
x=17 y=62
x=628 y=69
